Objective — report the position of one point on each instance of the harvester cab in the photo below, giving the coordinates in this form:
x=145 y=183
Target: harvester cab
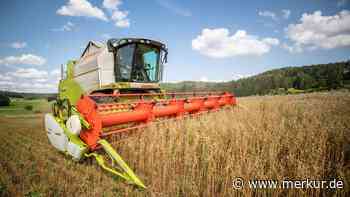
x=138 y=60
x=122 y=66
x=112 y=89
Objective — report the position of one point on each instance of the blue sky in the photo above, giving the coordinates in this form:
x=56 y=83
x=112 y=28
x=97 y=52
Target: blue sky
x=207 y=40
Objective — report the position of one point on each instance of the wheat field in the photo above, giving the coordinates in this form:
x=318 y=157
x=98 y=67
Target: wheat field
x=265 y=137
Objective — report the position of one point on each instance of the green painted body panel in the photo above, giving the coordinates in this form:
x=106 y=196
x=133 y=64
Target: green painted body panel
x=126 y=172
x=69 y=88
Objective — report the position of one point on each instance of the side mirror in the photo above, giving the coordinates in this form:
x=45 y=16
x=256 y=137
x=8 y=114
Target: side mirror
x=165 y=57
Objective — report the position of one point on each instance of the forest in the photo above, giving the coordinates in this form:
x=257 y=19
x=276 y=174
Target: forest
x=287 y=80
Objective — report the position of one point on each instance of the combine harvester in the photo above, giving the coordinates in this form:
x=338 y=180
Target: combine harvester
x=112 y=89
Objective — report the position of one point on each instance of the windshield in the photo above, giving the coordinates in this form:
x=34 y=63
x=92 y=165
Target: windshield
x=138 y=63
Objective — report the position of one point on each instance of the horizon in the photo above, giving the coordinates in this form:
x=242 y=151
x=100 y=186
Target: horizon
x=230 y=43
x=194 y=81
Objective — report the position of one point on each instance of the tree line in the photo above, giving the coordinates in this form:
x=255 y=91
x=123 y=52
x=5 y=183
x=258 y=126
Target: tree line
x=284 y=80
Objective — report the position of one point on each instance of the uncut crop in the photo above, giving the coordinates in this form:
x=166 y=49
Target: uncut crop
x=266 y=137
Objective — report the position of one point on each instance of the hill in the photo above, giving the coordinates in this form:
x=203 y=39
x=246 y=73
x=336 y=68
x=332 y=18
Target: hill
x=28 y=95
x=277 y=81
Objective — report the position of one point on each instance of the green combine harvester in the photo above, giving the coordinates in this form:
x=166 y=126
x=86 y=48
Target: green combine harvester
x=113 y=89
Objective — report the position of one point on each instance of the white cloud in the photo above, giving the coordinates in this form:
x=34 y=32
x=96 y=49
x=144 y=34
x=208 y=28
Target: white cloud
x=6 y=84
x=119 y=17
x=111 y=4
x=18 y=45
x=55 y=75
x=317 y=31
x=84 y=8
x=43 y=80
x=29 y=73
x=174 y=8
x=69 y=26
x=267 y=13
x=286 y=13
x=30 y=80
x=5 y=77
x=122 y=23
x=81 y=8
x=55 y=72
x=296 y=48
x=218 y=43
x=25 y=59
x=271 y=41
x=33 y=87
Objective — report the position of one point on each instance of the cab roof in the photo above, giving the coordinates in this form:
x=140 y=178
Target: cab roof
x=113 y=43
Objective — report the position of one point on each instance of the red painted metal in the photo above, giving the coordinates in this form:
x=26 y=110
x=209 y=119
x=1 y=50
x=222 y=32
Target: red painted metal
x=174 y=108
x=139 y=113
x=87 y=108
x=194 y=105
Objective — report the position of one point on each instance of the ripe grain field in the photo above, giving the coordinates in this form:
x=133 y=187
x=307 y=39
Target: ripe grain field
x=266 y=137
